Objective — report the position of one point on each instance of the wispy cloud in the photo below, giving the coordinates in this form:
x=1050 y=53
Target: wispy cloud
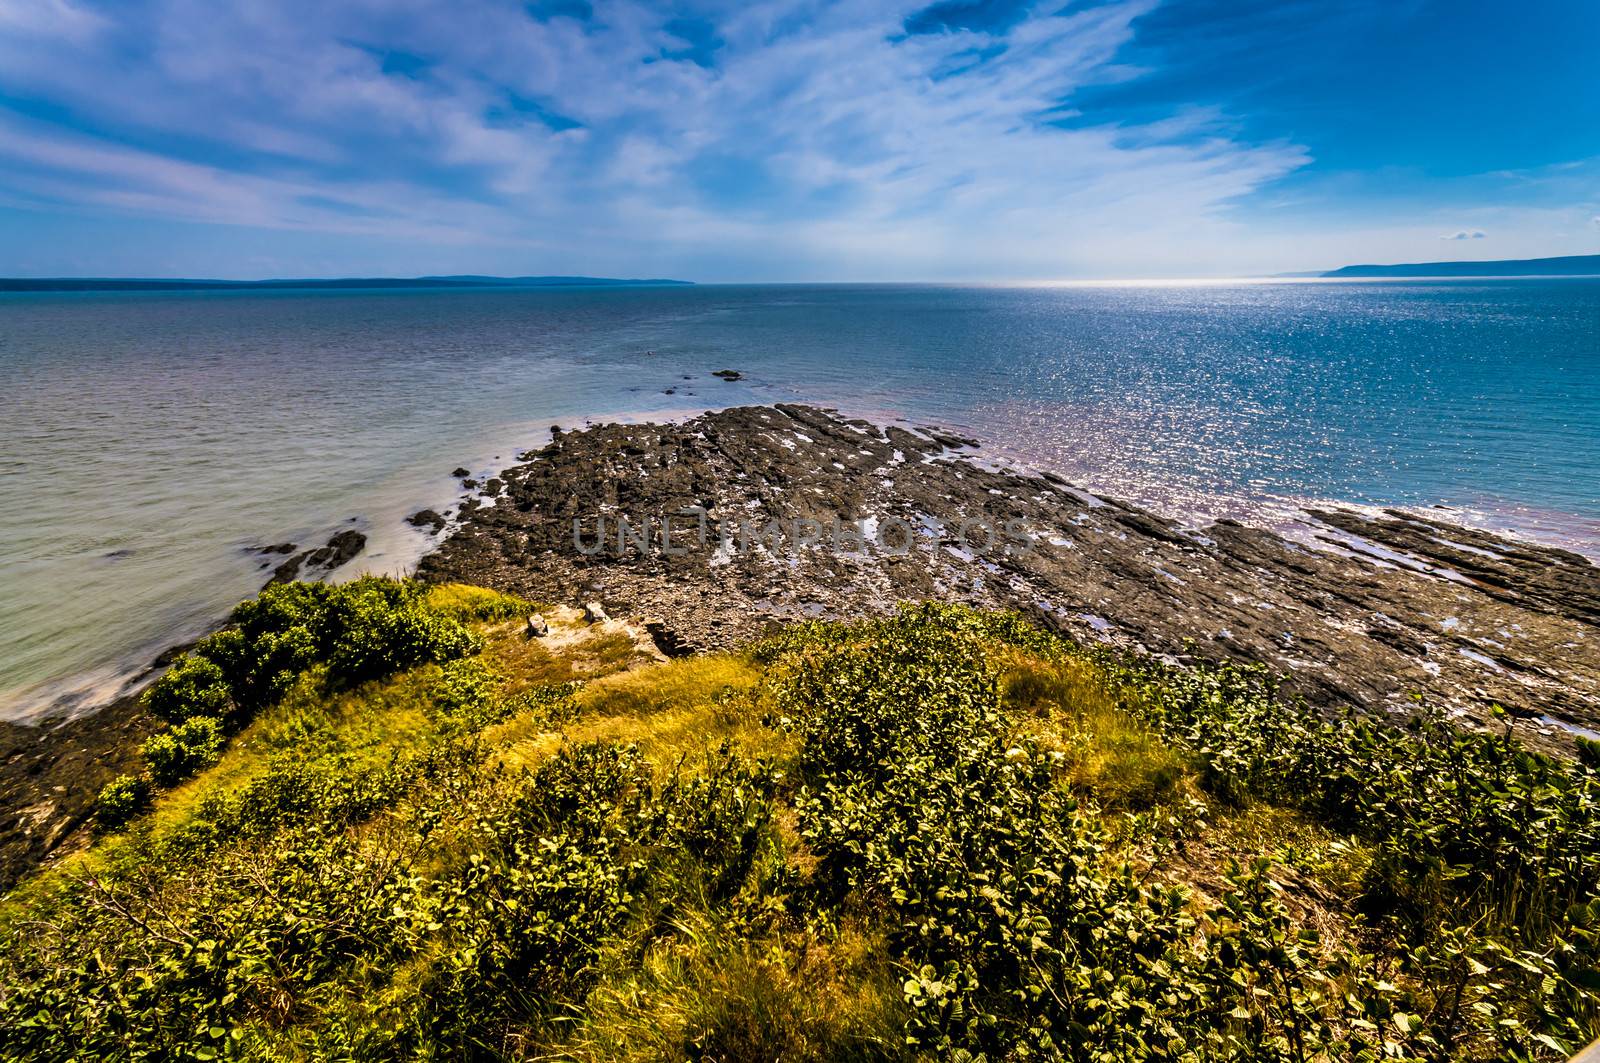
x=768 y=139
x=865 y=139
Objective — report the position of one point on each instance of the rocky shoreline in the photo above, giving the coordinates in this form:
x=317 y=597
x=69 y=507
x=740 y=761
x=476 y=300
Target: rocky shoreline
x=1395 y=607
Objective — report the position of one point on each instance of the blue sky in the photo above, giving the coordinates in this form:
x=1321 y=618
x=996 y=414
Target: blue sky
x=792 y=139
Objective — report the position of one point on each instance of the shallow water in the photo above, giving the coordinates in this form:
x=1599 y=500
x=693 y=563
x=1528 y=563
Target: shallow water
x=151 y=440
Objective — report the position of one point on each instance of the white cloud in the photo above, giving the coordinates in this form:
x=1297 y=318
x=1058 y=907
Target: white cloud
x=822 y=134
x=1465 y=234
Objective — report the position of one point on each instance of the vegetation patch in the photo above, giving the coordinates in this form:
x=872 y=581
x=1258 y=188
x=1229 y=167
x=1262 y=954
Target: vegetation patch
x=943 y=835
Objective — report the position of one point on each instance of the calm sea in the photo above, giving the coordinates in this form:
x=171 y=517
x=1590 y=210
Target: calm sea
x=149 y=441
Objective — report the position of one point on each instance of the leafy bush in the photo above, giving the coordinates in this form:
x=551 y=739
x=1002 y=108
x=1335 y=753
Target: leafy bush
x=120 y=800
x=363 y=630
x=925 y=811
x=1024 y=943
x=465 y=696
x=917 y=798
x=375 y=637
x=195 y=685
x=190 y=747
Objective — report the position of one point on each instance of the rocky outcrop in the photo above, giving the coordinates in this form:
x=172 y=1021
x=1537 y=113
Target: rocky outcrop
x=1394 y=607
x=427 y=518
x=314 y=564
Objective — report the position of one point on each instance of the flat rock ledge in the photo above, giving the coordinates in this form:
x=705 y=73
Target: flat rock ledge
x=1395 y=607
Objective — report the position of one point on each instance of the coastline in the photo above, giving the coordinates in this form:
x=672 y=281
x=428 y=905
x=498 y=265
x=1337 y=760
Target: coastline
x=1393 y=605
x=1397 y=605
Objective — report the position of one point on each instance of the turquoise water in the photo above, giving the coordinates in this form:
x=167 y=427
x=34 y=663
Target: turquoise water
x=150 y=440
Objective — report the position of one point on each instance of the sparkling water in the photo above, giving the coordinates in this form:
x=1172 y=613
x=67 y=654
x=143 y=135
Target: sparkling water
x=151 y=442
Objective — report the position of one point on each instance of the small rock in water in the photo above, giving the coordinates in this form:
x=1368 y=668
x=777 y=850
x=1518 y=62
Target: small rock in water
x=339 y=549
x=728 y=374
x=594 y=613
x=460 y=472
x=538 y=628
x=427 y=518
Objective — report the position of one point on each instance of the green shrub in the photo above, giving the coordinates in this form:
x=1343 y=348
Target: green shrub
x=186 y=749
x=445 y=904
x=120 y=800
x=193 y=686
x=363 y=630
x=465 y=696
x=378 y=638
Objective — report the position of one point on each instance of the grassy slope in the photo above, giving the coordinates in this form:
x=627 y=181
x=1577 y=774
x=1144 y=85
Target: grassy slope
x=702 y=859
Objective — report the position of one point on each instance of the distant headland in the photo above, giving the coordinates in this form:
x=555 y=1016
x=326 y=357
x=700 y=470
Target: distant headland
x=180 y=284
x=1564 y=266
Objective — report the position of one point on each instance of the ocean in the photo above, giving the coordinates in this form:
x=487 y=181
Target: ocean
x=152 y=442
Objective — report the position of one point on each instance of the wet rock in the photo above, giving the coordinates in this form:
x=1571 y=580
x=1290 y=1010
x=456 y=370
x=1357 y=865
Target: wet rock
x=324 y=559
x=50 y=775
x=287 y=571
x=729 y=374
x=461 y=472
x=427 y=518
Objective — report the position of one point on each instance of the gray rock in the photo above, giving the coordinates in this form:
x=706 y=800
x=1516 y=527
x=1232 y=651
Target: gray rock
x=1361 y=633
x=595 y=613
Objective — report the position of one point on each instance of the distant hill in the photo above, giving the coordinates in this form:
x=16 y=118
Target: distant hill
x=180 y=284
x=1565 y=266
